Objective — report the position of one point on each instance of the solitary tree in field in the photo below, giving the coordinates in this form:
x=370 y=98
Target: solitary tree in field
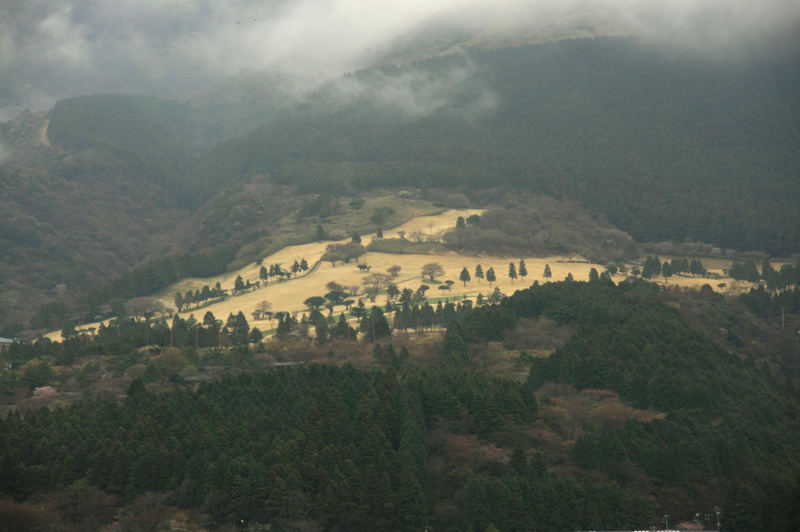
x=512 y=272
x=303 y=264
x=478 y=272
x=547 y=273
x=522 y=271
x=263 y=308
x=464 y=277
x=490 y=276
x=238 y=284
x=394 y=270
x=432 y=270
x=263 y=274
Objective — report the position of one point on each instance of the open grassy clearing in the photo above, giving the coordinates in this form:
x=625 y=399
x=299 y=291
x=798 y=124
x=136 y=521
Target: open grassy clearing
x=288 y=295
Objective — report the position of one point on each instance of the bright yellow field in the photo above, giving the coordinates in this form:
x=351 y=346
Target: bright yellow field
x=289 y=295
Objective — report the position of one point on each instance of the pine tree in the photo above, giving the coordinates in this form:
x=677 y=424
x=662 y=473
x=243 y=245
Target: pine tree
x=512 y=272
x=490 y=276
x=547 y=273
x=522 y=271
x=179 y=300
x=464 y=277
x=478 y=272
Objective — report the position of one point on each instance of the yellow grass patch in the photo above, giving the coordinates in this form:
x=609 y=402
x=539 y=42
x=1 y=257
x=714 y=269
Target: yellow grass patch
x=289 y=295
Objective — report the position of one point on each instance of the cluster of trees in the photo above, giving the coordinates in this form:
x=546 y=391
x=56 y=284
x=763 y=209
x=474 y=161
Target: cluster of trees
x=653 y=267
x=771 y=304
x=343 y=253
x=275 y=270
x=788 y=274
x=199 y=297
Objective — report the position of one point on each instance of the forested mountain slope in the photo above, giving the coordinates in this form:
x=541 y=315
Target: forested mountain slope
x=635 y=414
x=669 y=147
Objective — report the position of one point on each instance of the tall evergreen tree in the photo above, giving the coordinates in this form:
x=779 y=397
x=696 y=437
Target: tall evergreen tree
x=464 y=276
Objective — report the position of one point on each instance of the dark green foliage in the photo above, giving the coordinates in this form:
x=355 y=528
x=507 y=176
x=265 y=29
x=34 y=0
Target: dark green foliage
x=343 y=447
x=562 y=109
x=153 y=137
x=155 y=275
x=530 y=501
x=725 y=418
x=745 y=271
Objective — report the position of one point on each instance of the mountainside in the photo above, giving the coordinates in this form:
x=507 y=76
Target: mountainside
x=662 y=146
x=628 y=412
x=668 y=147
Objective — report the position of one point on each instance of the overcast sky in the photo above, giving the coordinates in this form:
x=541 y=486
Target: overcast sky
x=53 y=49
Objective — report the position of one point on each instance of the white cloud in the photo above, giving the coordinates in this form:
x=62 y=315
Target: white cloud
x=78 y=46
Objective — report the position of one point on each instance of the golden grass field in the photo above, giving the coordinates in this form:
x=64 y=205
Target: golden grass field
x=289 y=295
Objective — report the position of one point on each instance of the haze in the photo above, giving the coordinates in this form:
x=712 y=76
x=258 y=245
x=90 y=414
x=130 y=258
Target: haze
x=51 y=50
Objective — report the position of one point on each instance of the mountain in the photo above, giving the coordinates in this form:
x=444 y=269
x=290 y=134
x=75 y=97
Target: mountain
x=665 y=146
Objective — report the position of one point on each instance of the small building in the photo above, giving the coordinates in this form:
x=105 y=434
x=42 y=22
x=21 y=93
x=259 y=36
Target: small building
x=5 y=343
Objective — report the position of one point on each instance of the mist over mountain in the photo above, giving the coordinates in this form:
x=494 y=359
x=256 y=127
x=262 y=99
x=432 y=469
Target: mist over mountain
x=52 y=50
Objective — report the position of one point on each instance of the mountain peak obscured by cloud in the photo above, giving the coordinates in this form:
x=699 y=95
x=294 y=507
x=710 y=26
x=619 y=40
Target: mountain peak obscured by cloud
x=50 y=50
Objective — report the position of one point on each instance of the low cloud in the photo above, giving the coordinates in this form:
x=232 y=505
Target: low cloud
x=50 y=50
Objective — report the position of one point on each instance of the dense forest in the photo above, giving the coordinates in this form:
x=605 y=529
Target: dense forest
x=349 y=448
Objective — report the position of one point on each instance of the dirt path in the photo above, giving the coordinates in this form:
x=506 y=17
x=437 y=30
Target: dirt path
x=43 y=133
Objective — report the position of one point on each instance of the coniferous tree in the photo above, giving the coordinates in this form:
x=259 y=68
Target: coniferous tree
x=522 y=271
x=179 y=301
x=464 y=276
x=490 y=276
x=512 y=272
x=547 y=273
x=478 y=272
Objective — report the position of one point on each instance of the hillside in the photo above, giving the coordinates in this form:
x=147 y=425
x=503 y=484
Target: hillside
x=708 y=156
x=628 y=412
